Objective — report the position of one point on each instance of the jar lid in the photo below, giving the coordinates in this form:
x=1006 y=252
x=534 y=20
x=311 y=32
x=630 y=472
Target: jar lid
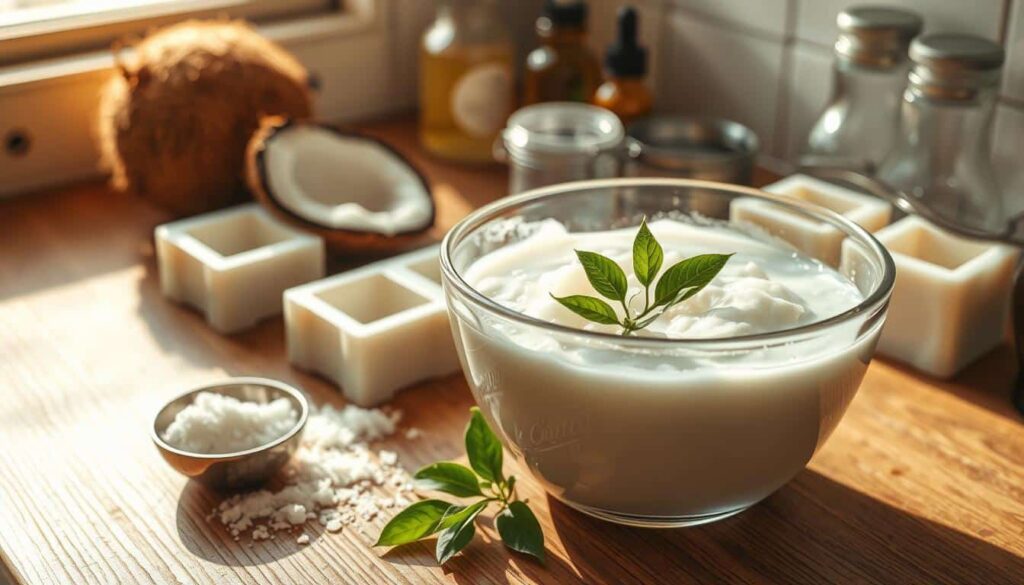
x=955 y=52
x=562 y=129
x=876 y=36
x=691 y=145
x=955 y=66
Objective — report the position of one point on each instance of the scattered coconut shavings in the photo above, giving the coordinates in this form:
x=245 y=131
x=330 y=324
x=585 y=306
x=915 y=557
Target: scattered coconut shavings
x=412 y=433
x=215 y=423
x=388 y=457
x=334 y=478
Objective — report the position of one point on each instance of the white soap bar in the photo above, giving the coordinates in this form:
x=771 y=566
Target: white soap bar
x=373 y=330
x=234 y=264
x=812 y=237
x=951 y=301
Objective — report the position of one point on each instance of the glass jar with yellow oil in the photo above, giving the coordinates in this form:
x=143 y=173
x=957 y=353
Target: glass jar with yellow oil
x=466 y=80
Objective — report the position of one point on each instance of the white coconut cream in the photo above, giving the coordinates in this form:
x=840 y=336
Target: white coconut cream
x=763 y=288
x=667 y=430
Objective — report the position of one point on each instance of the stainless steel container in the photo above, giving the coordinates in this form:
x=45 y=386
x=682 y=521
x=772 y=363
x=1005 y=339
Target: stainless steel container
x=694 y=148
x=244 y=468
x=558 y=142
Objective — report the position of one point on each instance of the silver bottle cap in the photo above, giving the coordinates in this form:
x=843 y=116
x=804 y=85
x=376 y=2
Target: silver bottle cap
x=876 y=36
x=954 y=66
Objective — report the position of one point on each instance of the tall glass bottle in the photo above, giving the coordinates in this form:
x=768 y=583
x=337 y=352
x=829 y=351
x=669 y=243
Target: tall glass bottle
x=466 y=82
x=562 y=68
x=858 y=126
x=942 y=153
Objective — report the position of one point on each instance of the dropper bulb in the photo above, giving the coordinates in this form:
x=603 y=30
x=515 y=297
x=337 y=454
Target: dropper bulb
x=627 y=26
x=625 y=56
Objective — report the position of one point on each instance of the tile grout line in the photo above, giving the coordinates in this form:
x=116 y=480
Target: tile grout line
x=1004 y=22
x=1011 y=102
x=781 y=129
x=726 y=24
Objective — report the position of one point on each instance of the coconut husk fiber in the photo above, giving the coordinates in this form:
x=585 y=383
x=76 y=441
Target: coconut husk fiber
x=177 y=114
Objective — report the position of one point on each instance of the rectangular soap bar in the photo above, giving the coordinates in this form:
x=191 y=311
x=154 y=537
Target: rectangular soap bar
x=234 y=264
x=813 y=237
x=951 y=301
x=373 y=330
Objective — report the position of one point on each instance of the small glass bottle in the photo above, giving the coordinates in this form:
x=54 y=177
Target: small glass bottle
x=857 y=127
x=942 y=153
x=563 y=68
x=466 y=82
x=625 y=92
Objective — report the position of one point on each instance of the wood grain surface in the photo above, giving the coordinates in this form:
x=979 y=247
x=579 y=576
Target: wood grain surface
x=923 y=482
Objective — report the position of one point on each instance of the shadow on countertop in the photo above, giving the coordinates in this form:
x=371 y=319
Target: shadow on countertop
x=813 y=530
x=210 y=540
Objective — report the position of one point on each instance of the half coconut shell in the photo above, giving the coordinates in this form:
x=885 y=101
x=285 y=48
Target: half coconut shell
x=356 y=192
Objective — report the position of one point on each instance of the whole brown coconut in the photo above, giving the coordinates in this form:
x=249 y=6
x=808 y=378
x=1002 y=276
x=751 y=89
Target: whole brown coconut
x=175 y=122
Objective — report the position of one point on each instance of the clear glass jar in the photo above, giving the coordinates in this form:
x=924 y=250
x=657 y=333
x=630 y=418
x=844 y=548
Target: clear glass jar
x=711 y=425
x=558 y=142
x=466 y=80
x=857 y=127
x=942 y=154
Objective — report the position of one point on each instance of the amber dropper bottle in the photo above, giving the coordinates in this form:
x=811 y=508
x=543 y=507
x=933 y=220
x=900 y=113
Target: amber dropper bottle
x=625 y=91
x=562 y=68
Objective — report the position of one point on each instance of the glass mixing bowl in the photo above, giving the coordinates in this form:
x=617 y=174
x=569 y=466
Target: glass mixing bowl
x=655 y=431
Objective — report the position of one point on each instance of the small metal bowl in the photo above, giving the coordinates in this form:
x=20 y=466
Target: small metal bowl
x=709 y=149
x=229 y=471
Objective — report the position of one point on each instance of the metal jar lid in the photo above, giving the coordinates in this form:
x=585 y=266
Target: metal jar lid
x=876 y=36
x=559 y=133
x=954 y=66
x=700 y=148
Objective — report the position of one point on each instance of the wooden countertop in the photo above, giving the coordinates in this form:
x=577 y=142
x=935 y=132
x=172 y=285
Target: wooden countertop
x=923 y=482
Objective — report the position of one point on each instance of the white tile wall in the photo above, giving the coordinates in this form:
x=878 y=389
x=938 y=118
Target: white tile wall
x=816 y=19
x=766 y=16
x=765 y=63
x=1008 y=155
x=603 y=14
x=808 y=86
x=711 y=70
x=1013 y=85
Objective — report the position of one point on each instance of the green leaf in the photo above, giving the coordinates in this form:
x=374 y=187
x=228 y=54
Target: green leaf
x=454 y=538
x=413 y=523
x=456 y=514
x=604 y=275
x=520 y=530
x=452 y=478
x=688 y=277
x=647 y=255
x=590 y=308
x=483 y=448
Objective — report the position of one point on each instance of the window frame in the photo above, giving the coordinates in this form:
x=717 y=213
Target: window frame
x=34 y=34
x=54 y=102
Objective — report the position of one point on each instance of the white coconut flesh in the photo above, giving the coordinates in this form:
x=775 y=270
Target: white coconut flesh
x=344 y=182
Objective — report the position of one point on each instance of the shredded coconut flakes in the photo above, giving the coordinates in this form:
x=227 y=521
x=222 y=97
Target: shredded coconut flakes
x=216 y=423
x=334 y=478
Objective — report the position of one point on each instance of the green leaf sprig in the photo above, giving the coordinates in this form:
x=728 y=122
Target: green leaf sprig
x=454 y=523
x=680 y=282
